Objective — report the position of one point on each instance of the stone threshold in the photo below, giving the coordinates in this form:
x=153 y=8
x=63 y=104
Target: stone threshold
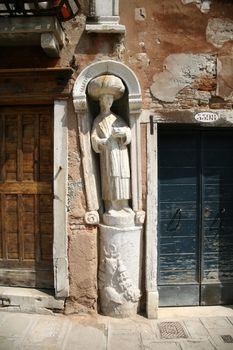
x=195 y=311
x=30 y=300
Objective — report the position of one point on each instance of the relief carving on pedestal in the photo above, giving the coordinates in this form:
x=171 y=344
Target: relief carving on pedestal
x=114 y=281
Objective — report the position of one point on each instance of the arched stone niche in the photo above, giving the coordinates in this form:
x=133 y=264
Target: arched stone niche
x=84 y=111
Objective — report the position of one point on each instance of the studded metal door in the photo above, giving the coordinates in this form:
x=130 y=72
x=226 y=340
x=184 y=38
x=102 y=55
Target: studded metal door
x=195 y=217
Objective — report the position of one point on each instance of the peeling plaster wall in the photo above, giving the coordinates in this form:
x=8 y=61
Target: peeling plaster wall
x=219 y=31
x=203 y=5
x=182 y=54
x=184 y=70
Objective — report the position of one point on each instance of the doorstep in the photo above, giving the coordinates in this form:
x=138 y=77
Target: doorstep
x=29 y=300
x=195 y=311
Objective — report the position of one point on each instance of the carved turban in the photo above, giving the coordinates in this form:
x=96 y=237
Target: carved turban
x=106 y=85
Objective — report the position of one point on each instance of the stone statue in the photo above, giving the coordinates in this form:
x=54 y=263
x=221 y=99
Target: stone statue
x=110 y=136
x=120 y=238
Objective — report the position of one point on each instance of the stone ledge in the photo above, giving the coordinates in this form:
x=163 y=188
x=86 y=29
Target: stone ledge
x=105 y=28
x=42 y=31
x=29 y=300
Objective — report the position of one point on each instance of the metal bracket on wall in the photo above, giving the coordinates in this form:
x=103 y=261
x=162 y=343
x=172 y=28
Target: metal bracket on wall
x=152 y=122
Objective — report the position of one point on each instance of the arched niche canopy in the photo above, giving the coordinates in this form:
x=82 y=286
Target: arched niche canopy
x=81 y=107
x=107 y=67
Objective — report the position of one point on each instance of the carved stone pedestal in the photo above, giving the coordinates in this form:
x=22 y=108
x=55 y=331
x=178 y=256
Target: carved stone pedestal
x=120 y=270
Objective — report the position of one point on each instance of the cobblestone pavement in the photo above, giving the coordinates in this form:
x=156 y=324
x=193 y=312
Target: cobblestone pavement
x=173 y=330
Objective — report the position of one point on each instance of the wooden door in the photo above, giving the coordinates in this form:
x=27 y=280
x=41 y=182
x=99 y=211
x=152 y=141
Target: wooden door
x=195 y=217
x=216 y=277
x=178 y=260
x=26 y=196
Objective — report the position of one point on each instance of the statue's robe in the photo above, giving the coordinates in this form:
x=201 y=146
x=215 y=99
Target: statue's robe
x=114 y=157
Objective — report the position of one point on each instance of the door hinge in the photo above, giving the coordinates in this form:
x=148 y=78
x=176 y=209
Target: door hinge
x=152 y=124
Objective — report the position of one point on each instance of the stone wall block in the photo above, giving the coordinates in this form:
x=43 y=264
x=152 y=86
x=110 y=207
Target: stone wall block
x=76 y=199
x=83 y=266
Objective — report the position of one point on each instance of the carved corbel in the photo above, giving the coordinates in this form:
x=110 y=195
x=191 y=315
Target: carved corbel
x=80 y=104
x=135 y=105
x=92 y=217
x=139 y=217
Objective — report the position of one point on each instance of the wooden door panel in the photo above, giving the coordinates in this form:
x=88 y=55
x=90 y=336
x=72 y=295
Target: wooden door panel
x=26 y=193
x=217 y=257
x=26 y=187
x=178 y=219
x=196 y=243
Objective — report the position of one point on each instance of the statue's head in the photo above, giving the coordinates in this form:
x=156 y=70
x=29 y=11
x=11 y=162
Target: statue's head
x=106 y=85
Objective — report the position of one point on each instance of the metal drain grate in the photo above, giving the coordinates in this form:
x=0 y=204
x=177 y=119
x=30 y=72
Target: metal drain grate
x=171 y=330
x=227 y=338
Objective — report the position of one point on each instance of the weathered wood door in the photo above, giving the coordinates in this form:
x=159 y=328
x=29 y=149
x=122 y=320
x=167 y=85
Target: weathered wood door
x=195 y=217
x=26 y=196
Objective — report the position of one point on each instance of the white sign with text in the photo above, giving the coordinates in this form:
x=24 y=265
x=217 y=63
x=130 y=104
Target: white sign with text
x=206 y=117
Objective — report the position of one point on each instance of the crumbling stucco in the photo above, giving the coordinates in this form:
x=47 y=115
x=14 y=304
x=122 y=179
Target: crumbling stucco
x=203 y=5
x=181 y=70
x=219 y=31
x=225 y=77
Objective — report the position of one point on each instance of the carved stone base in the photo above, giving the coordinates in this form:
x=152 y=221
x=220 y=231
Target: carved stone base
x=119 y=218
x=120 y=270
x=152 y=304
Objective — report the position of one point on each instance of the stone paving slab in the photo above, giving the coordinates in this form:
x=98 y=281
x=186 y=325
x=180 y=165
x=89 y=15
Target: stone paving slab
x=148 y=332
x=123 y=340
x=15 y=326
x=7 y=343
x=20 y=331
x=163 y=346
x=2 y=317
x=49 y=331
x=198 y=345
x=219 y=343
x=81 y=337
x=230 y=318
x=196 y=329
x=216 y=324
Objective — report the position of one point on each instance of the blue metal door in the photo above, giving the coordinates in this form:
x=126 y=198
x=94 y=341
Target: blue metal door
x=195 y=217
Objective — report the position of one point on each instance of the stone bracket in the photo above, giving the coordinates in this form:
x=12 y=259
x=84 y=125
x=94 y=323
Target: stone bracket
x=42 y=31
x=50 y=44
x=139 y=217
